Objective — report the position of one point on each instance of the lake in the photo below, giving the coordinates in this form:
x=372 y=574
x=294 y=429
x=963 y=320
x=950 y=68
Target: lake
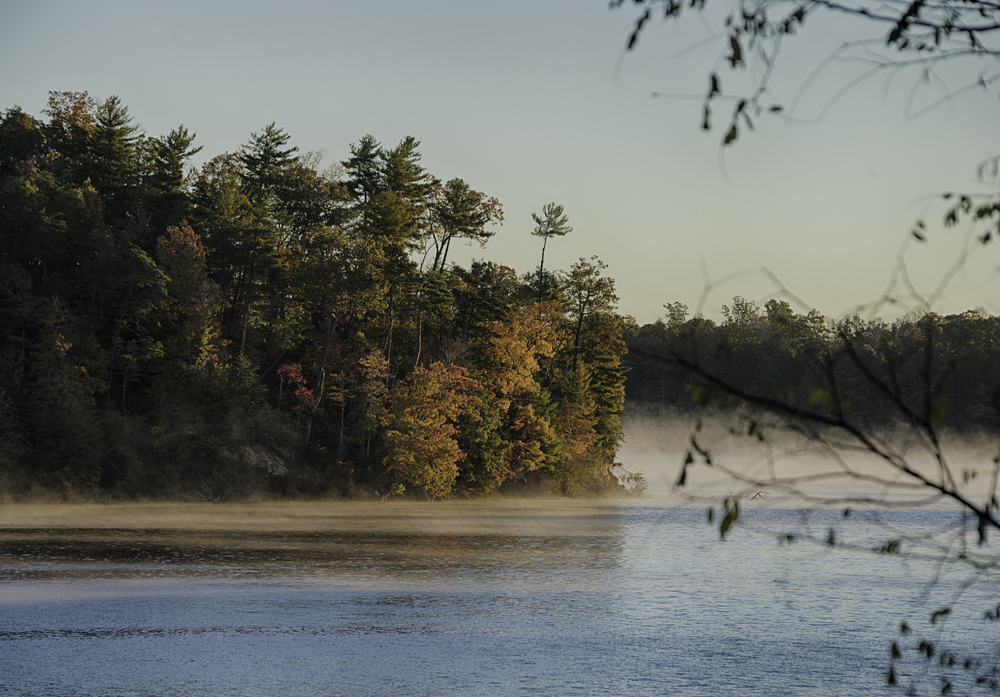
x=517 y=597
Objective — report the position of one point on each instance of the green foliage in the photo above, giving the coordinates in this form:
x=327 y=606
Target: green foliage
x=552 y=223
x=793 y=357
x=458 y=212
x=59 y=406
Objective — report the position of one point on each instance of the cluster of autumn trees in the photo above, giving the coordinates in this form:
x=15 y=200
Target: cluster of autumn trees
x=261 y=324
x=868 y=372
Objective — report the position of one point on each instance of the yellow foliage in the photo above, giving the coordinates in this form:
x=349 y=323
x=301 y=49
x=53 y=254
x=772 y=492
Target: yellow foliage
x=420 y=445
x=529 y=334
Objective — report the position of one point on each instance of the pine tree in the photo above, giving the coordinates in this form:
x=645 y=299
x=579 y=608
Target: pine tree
x=552 y=223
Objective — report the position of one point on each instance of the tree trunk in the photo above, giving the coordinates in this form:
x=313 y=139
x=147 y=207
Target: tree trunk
x=444 y=257
x=420 y=333
x=321 y=373
x=541 y=272
x=246 y=324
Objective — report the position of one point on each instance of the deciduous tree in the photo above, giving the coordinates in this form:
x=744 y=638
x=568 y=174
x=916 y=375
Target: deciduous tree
x=420 y=440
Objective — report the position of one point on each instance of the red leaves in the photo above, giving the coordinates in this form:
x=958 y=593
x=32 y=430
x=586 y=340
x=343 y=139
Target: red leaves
x=291 y=373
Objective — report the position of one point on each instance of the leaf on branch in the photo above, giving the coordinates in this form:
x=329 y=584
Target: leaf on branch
x=777 y=108
x=731 y=136
x=732 y=515
x=705 y=125
x=917 y=234
x=796 y=17
x=938 y=614
x=714 y=88
x=736 y=57
x=890 y=547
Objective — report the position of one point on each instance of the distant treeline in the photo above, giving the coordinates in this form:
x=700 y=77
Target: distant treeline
x=942 y=369
x=261 y=326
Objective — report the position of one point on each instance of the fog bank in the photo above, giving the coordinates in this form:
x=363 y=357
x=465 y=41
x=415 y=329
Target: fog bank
x=780 y=466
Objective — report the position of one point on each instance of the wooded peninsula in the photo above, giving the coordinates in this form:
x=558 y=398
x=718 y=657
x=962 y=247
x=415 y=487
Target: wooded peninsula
x=261 y=327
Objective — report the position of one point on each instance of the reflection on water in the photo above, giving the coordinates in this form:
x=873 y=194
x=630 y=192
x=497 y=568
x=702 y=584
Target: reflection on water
x=459 y=598
x=366 y=546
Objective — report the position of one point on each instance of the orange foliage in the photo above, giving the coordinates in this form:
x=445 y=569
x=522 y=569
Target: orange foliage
x=72 y=109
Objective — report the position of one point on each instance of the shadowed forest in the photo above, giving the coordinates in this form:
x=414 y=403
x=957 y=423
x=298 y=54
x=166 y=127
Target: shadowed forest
x=259 y=326
x=868 y=372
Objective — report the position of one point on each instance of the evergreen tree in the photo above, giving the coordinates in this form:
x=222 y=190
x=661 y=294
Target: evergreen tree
x=552 y=223
x=113 y=164
x=460 y=212
x=168 y=202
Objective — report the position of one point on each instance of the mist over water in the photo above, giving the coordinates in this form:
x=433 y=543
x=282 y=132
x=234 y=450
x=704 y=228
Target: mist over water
x=540 y=596
x=656 y=445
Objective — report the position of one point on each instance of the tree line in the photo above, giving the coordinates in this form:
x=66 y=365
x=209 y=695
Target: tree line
x=261 y=325
x=865 y=371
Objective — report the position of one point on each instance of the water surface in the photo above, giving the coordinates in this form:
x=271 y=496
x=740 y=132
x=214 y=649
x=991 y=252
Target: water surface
x=456 y=598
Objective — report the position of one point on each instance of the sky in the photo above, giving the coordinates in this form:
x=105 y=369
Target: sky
x=536 y=101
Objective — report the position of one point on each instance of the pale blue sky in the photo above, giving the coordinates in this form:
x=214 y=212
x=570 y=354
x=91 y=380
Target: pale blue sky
x=520 y=99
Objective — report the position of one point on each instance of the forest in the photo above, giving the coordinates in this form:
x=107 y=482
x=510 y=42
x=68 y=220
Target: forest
x=868 y=372
x=259 y=326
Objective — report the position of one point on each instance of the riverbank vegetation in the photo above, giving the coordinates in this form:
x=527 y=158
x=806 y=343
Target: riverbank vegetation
x=260 y=326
